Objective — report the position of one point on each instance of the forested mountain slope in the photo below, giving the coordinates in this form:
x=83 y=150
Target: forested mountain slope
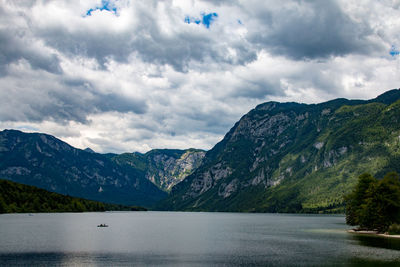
x=46 y=162
x=15 y=197
x=291 y=157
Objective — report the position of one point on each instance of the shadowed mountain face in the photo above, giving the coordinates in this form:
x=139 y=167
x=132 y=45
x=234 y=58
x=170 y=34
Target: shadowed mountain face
x=290 y=157
x=164 y=167
x=44 y=161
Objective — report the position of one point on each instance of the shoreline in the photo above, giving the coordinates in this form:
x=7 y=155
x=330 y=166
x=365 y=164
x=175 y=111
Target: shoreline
x=372 y=233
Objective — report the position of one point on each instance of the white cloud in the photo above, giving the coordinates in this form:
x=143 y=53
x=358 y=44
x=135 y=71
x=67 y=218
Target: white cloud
x=143 y=78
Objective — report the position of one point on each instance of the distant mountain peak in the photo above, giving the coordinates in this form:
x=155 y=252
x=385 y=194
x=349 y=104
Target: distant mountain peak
x=164 y=167
x=388 y=97
x=89 y=150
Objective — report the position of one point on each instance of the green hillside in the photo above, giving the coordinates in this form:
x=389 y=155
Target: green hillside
x=290 y=157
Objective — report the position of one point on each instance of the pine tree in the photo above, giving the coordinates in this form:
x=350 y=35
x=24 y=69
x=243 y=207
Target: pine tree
x=373 y=204
x=357 y=197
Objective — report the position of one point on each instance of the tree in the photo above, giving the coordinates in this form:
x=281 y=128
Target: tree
x=382 y=205
x=357 y=197
x=373 y=204
x=3 y=205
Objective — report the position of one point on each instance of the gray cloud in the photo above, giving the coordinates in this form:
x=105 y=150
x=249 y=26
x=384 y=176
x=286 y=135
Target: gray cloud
x=16 y=43
x=14 y=48
x=259 y=88
x=143 y=78
x=87 y=44
x=311 y=30
x=148 y=41
x=119 y=103
x=221 y=2
x=49 y=100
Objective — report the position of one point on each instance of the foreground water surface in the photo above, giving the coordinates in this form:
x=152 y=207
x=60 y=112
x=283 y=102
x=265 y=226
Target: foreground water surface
x=188 y=239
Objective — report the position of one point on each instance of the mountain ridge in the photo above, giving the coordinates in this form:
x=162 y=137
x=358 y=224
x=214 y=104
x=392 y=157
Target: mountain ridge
x=164 y=167
x=279 y=157
x=261 y=162
x=44 y=161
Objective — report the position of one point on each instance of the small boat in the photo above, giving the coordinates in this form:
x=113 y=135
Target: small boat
x=102 y=225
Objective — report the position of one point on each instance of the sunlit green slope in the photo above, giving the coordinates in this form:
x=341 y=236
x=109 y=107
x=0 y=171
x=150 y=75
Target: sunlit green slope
x=290 y=157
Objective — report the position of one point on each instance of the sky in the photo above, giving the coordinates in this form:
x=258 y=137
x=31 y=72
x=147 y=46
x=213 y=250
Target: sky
x=126 y=75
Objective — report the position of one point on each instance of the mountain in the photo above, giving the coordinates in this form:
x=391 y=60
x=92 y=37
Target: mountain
x=15 y=197
x=46 y=162
x=164 y=167
x=291 y=157
x=88 y=149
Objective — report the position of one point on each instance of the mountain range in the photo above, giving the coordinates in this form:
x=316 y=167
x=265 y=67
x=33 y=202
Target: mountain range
x=46 y=162
x=130 y=178
x=279 y=157
x=291 y=157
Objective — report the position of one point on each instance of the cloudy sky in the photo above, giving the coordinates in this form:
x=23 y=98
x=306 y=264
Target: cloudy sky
x=126 y=75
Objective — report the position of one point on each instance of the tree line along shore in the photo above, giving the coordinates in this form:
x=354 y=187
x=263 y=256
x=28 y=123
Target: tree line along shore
x=374 y=205
x=20 y=198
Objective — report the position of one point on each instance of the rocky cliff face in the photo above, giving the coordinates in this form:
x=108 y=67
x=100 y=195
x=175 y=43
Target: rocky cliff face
x=290 y=157
x=164 y=167
x=44 y=161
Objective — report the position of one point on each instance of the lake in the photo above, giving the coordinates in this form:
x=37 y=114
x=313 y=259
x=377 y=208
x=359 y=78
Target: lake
x=188 y=239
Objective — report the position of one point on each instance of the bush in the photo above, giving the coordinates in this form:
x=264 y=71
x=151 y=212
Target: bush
x=394 y=229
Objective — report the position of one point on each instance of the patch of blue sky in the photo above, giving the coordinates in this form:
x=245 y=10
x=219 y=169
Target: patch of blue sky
x=105 y=5
x=394 y=51
x=206 y=19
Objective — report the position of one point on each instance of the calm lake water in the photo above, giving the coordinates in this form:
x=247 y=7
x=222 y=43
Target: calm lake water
x=187 y=239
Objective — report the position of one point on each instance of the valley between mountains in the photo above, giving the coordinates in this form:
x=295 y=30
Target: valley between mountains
x=279 y=157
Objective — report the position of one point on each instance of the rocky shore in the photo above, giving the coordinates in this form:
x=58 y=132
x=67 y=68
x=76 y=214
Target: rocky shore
x=375 y=233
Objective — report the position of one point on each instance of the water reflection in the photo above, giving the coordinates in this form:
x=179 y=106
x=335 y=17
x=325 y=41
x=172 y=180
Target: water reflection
x=358 y=262
x=377 y=241
x=188 y=239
